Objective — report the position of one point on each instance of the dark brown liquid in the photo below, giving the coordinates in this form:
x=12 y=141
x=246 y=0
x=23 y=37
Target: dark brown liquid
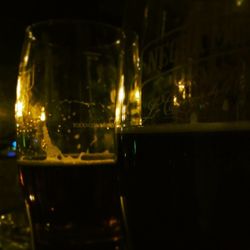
x=73 y=207
x=187 y=189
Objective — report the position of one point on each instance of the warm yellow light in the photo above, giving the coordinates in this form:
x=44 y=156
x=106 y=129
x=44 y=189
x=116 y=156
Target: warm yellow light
x=113 y=95
x=135 y=106
x=19 y=109
x=117 y=114
x=26 y=55
x=123 y=112
x=120 y=99
x=43 y=116
x=30 y=35
x=184 y=89
x=181 y=89
x=26 y=58
x=176 y=103
x=19 y=105
x=32 y=197
x=137 y=95
x=18 y=89
x=181 y=86
x=121 y=93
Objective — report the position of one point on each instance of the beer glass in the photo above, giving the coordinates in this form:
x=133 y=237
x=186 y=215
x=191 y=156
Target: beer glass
x=189 y=162
x=68 y=83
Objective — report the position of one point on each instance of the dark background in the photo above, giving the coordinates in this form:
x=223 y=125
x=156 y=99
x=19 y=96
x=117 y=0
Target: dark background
x=16 y=16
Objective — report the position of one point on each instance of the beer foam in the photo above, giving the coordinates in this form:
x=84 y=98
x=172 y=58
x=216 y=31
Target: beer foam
x=54 y=156
x=190 y=127
x=71 y=159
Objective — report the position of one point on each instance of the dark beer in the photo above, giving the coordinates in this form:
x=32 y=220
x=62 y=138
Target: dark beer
x=73 y=206
x=188 y=186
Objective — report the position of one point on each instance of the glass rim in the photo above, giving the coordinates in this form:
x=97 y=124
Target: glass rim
x=52 y=22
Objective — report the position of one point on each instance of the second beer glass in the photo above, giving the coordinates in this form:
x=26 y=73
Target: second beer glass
x=188 y=165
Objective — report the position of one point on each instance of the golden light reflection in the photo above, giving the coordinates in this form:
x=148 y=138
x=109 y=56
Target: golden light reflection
x=25 y=83
x=26 y=56
x=181 y=88
x=138 y=64
x=183 y=92
x=120 y=100
x=176 y=103
x=30 y=35
x=43 y=115
x=112 y=95
x=124 y=108
x=19 y=104
x=32 y=197
x=118 y=115
x=121 y=92
x=135 y=101
x=138 y=95
x=19 y=109
x=18 y=89
x=20 y=98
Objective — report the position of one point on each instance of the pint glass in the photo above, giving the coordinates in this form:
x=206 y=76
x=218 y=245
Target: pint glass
x=188 y=165
x=65 y=116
